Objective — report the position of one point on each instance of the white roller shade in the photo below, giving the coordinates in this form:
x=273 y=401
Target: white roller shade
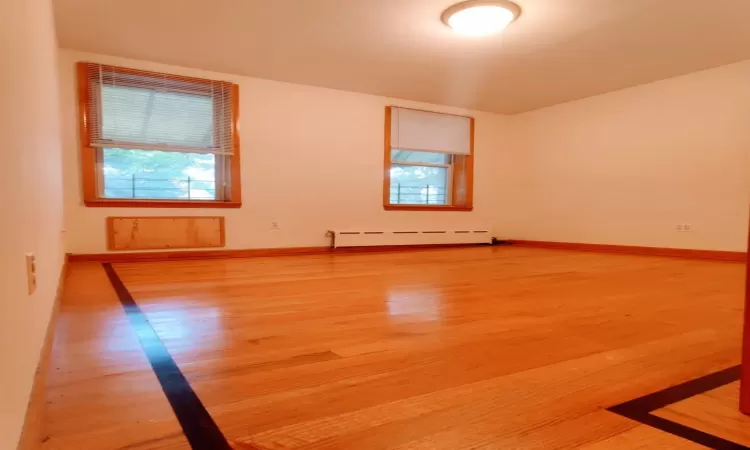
x=430 y=132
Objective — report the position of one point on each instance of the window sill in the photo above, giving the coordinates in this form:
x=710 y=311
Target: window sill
x=427 y=208
x=104 y=203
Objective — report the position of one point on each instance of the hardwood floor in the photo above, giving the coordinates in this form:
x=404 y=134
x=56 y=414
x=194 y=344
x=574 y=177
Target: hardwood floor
x=479 y=348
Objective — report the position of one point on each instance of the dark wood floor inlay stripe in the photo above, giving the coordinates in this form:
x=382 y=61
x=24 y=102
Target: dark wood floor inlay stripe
x=641 y=409
x=680 y=392
x=199 y=427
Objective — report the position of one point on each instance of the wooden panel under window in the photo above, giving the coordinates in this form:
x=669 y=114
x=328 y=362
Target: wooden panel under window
x=150 y=233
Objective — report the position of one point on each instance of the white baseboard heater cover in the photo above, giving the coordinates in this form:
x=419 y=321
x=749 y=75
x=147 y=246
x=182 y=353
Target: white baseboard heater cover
x=372 y=238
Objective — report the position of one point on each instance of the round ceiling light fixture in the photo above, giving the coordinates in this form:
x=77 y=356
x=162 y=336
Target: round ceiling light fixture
x=481 y=17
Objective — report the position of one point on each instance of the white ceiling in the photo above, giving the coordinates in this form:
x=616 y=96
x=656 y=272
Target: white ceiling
x=558 y=50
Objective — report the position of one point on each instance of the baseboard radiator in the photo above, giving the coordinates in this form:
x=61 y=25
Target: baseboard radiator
x=373 y=238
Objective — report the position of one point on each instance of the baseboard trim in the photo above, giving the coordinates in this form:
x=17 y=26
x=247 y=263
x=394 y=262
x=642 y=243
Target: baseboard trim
x=715 y=255
x=33 y=433
x=196 y=254
x=250 y=253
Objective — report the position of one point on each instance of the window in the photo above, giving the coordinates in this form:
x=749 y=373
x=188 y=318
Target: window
x=420 y=178
x=151 y=139
x=428 y=161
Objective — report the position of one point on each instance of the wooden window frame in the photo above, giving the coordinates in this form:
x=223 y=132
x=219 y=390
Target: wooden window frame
x=90 y=167
x=462 y=166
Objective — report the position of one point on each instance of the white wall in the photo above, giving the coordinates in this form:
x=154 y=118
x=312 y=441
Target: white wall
x=30 y=178
x=627 y=167
x=621 y=168
x=312 y=160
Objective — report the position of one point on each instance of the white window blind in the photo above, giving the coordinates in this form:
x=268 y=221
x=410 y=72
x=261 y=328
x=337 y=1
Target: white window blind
x=430 y=132
x=133 y=109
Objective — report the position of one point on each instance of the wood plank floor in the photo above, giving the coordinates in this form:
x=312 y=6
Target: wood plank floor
x=478 y=348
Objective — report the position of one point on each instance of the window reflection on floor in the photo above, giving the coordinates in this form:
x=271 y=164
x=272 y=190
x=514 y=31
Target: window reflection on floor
x=184 y=324
x=415 y=305
x=188 y=323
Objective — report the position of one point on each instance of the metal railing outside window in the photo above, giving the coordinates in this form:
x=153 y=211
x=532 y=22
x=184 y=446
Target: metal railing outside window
x=183 y=188
x=428 y=194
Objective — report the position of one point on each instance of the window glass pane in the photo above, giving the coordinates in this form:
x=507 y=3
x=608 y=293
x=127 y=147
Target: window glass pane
x=158 y=175
x=139 y=115
x=407 y=156
x=419 y=185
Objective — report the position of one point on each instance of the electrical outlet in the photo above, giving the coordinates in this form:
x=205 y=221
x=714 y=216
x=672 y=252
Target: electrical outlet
x=687 y=227
x=275 y=225
x=31 y=272
x=679 y=227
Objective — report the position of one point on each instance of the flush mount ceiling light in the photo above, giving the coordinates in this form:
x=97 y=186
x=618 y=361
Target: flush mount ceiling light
x=481 y=17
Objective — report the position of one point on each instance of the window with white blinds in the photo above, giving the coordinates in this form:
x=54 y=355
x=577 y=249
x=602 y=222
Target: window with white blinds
x=155 y=136
x=150 y=111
